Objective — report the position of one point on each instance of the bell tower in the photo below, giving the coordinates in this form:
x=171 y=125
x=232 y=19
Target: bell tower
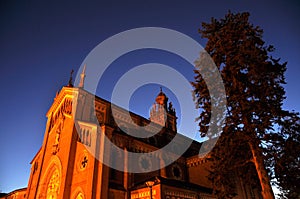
x=163 y=114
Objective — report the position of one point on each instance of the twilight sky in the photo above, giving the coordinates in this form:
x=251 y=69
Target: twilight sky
x=40 y=42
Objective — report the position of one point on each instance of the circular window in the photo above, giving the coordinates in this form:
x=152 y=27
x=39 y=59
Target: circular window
x=145 y=163
x=83 y=162
x=177 y=172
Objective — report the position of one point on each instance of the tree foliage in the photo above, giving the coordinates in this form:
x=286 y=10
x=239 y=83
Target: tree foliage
x=253 y=82
x=283 y=155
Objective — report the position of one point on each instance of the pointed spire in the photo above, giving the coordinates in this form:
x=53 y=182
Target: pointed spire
x=70 y=84
x=162 y=99
x=82 y=77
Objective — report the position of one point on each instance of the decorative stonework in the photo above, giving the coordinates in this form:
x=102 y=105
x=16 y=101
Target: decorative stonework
x=64 y=109
x=78 y=193
x=53 y=185
x=195 y=161
x=99 y=111
x=49 y=186
x=80 y=196
x=145 y=163
x=83 y=161
x=172 y=194
x=122 y=117
x=85 y=136
x=158 y=114
x=55 y=146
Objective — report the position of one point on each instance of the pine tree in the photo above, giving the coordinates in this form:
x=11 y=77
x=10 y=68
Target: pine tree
x=253 y=82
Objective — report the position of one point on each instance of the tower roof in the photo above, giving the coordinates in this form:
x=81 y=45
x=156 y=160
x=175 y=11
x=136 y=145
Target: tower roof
x=161 y=93
x=161 y=98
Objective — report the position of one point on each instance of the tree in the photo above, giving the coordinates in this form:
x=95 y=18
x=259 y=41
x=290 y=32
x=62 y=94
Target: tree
x=283 y=154
x=253 y=82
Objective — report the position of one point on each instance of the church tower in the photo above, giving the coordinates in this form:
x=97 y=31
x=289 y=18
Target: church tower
x=163 y=114
x=64 y=167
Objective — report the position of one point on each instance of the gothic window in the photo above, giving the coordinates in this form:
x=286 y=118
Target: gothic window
x=79 y=196
x=53 y=185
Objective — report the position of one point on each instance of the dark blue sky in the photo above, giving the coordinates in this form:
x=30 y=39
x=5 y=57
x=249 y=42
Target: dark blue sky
x=41 y=41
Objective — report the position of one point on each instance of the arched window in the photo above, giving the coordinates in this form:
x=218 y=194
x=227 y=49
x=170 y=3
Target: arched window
x=53 y=185
x=80 y=196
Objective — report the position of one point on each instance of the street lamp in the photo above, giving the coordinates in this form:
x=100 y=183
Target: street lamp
x=150 y=185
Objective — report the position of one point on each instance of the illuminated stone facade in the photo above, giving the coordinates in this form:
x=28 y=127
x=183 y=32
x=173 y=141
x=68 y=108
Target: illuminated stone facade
x=65 y=168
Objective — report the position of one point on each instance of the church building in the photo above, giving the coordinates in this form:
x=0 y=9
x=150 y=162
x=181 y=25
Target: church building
x=78 y=123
